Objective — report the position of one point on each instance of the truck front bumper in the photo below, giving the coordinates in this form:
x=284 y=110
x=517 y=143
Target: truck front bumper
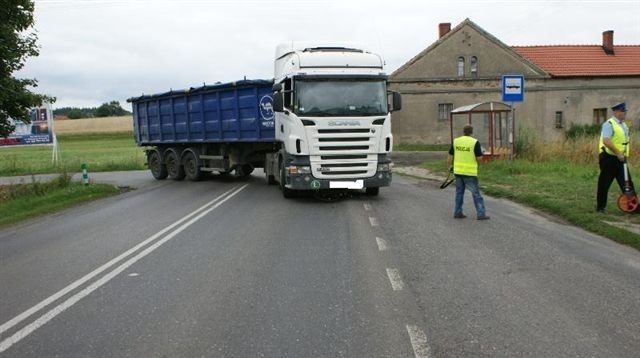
x=309 y=182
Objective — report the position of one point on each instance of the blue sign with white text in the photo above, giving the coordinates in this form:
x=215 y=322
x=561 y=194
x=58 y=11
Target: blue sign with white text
x=512 y=88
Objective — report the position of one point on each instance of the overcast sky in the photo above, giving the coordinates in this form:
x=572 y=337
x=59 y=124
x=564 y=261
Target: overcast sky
x=94 y=51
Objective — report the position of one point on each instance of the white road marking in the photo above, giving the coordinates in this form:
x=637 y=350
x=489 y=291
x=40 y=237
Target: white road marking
x=382 y=244
x=396 y=280
x=419 y=342
x=367 y=207
x=25 y=331
x=134 y=274
x=373 y=221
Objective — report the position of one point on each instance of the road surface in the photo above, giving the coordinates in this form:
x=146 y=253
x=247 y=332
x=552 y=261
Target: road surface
x=225 y=268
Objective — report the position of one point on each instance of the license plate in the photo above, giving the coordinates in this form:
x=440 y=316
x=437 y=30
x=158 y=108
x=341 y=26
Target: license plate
x=358 y=184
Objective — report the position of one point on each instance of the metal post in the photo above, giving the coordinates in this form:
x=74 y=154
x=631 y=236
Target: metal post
x=85 y=174
x=513 y=133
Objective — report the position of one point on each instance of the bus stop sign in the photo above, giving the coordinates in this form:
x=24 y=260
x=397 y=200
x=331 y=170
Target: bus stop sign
x=512 y=88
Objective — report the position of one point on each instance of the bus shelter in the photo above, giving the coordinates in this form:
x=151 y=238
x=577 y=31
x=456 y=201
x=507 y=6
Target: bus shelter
x=493 y=126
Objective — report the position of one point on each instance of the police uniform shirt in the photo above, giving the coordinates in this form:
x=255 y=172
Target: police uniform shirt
x=607 y=129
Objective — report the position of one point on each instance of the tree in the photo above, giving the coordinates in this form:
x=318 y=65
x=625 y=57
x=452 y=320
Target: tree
x=16 y=45
x=110 y=109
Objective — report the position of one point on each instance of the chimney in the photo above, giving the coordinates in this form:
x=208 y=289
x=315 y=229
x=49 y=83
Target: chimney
x=444 y=28
x=607 y=42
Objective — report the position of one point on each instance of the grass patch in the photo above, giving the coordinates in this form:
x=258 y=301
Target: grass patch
x=417 y=147
x=559 y=187
x=23 y=201
x=101 y=152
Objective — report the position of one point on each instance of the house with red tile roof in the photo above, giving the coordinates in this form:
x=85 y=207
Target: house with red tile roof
x=564 y=85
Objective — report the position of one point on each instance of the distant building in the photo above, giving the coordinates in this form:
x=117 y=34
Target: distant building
x=564 y=84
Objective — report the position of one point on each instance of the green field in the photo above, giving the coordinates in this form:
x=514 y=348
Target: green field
x=563 y=188
x=101 y=152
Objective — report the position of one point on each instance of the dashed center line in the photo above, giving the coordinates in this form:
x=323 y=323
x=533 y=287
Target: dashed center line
x=373 y=221
x=396 y=281
x=419 y=342
x=367 y=207
x=382 y=244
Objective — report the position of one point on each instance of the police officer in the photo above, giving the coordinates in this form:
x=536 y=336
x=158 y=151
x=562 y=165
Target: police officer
x=614 y=149
x=464 y=153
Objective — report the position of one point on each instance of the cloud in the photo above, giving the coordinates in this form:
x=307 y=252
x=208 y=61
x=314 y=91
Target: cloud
x=101 y=50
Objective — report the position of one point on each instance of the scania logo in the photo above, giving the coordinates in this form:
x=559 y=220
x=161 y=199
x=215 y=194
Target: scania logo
x=344 y=123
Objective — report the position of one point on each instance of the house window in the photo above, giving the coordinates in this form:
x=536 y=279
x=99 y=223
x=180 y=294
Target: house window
x=599 y=115
x=444 y=110
x=559 y=120
x=460 y=67
x=474 y=67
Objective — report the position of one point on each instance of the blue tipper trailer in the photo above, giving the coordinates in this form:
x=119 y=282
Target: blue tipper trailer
x=214 y=128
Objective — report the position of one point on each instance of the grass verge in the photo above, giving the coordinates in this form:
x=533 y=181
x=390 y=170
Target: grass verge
x=564 y=189
x=101 y=152
x=416 y=147
x=22 y=201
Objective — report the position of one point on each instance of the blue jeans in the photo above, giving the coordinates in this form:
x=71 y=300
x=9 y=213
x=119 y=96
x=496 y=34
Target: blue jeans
x=471 y=183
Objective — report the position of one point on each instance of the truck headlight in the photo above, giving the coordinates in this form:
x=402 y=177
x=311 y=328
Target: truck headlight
x=300 y=169
x=384 y=167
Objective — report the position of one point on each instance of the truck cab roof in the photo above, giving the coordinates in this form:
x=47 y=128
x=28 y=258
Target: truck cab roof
x=335 y=58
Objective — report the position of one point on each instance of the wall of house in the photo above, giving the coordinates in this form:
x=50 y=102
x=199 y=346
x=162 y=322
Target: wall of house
x=576 y=98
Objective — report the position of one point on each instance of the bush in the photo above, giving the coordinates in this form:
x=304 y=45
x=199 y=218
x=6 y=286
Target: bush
x=582 y=130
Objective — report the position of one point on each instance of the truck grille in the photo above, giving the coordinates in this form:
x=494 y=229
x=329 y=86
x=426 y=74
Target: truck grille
x=344 y=153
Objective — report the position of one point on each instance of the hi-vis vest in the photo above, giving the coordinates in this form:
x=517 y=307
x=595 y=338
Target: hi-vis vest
x=464 y=157
x=619 y=139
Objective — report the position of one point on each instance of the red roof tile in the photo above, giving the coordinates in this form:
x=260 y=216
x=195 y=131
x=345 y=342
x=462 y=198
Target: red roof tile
x=583 y=60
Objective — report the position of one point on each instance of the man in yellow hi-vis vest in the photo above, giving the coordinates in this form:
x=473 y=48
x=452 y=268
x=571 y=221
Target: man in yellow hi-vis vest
x=614 y=150
x=464 y=154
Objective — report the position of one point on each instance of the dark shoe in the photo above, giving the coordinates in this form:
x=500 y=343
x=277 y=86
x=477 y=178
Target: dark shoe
x=460 y=216
x=484 y=217
x=600 y=211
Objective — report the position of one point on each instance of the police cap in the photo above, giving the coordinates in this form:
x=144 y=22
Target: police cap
x=622 y=107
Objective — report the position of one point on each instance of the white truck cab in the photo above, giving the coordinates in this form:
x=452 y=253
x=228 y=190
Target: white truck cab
x=332 y=119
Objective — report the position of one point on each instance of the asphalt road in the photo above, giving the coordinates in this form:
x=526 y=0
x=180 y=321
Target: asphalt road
x=231 y=269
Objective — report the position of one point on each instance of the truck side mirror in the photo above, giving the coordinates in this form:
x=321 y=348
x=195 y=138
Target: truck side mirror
x=278 y=103
x=396 y=101
x=277 y=87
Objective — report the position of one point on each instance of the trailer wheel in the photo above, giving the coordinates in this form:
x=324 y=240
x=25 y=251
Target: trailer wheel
x=374 y=191
x=286 y=192
x=191 y=166
x=157 y=168
x=174 y=167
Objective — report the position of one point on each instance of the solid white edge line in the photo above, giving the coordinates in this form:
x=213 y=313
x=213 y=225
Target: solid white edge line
x=382 y=244
x=419 y=342
x=19 y=318
x=28 y=329
x=395 y=279
x=373 y=221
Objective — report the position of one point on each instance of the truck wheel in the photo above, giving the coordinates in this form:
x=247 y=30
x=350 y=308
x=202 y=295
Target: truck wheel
x=191 y=166
x=157 y=168
x=286 y=192
x=271 y=180
x=373 y=191
x=244 y=171
x=174 y=167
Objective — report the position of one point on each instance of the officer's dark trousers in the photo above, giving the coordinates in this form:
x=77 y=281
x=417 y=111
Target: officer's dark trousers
x=610 y=168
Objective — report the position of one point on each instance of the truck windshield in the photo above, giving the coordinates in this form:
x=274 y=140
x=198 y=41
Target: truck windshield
x=340 y=98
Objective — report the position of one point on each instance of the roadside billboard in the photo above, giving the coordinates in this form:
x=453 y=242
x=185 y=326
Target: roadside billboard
x=39 y=131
